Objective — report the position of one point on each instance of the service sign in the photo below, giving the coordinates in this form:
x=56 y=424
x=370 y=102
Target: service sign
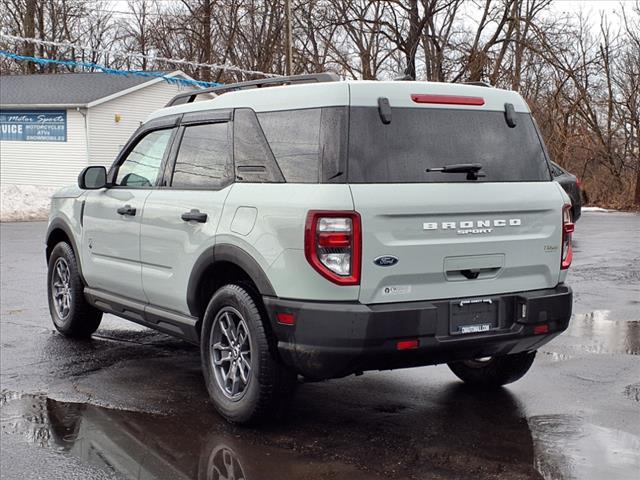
x=33 y=125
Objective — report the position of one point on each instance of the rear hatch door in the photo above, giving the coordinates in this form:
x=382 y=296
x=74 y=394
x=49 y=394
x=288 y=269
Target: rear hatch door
x=438 y=241
x=430 y=235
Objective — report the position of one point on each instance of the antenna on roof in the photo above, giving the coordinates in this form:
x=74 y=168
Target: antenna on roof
x=189 y=97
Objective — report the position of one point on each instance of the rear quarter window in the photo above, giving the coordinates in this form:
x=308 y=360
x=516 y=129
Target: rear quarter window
x=294 y=138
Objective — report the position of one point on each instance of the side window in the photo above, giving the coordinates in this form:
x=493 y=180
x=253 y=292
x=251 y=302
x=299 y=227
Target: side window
x=252 y=156
x=294 y=137
x=203 y=157
x=142 y=165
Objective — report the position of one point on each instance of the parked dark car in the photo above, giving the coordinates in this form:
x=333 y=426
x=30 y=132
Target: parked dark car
x=572 y=186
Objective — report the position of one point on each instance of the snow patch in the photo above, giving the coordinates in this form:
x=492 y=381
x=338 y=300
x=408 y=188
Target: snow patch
x=596 y=209
x=20 y=203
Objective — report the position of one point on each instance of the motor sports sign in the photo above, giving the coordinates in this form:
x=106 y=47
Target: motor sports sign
x=33 y=125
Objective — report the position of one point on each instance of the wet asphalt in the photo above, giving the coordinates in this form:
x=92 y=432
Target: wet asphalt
x=130 y=402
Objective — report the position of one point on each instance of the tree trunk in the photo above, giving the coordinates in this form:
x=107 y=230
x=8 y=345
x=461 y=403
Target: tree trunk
x=413 y=40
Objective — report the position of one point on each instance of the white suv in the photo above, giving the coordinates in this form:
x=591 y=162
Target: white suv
x=315 y=227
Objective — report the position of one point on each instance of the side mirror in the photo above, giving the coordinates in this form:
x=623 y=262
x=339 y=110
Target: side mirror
x=92 y=178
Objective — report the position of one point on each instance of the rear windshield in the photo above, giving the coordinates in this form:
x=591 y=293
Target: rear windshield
x=421 y=138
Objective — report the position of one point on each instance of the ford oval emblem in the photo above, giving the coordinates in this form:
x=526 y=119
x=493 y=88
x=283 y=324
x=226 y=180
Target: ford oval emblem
x=386 y=261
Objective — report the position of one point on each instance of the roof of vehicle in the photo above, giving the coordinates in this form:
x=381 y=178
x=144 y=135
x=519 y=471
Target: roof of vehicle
x=354 y=93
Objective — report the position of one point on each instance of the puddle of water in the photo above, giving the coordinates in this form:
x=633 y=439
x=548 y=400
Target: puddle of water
x=567 y=448
x=605 y=335
x=146 y=446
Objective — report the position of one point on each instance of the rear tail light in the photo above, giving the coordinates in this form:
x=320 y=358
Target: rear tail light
x=332 y=245
x=578 y=182
x=567 y=234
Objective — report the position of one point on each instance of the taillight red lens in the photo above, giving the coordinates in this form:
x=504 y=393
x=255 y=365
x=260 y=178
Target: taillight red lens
x=334 y=240
x=567 y=234
x=332 y=245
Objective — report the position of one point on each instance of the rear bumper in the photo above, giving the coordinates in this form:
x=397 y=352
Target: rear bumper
x=330 y=340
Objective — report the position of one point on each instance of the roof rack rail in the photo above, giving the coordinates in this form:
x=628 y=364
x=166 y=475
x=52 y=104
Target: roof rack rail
x=478 y=84
x=189 y=97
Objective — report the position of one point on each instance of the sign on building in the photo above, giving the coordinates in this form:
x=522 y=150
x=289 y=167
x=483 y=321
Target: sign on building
x=33 y=125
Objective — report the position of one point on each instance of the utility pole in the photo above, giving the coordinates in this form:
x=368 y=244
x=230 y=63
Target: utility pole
x=206 y=40
x=30 y=32
x=289 y=39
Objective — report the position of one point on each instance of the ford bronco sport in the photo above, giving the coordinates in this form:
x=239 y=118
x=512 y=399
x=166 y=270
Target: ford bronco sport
x=315 y=227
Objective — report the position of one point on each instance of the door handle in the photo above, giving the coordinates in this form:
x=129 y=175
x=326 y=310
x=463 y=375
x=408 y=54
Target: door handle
x=127 y=210
x=194 y=215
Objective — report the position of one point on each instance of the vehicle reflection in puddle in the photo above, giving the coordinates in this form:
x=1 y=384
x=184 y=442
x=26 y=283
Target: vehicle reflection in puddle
x=604 y=334
x=567 y=448
x=451 y=438
x=145 y=446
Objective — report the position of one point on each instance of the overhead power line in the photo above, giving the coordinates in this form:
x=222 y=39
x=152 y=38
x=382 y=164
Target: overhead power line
x=135 y=56
x=110 y=71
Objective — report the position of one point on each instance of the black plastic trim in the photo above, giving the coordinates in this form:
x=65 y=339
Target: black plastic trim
x=334 y=339
x=59 y=224
x=173 y=323
x=206 y=116
x=225 y=253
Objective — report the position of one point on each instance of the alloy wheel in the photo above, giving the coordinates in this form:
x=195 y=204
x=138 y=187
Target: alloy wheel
x=61 y=288
x=230 y=347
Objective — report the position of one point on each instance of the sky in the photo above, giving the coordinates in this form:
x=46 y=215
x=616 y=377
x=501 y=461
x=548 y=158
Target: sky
x=592 y=7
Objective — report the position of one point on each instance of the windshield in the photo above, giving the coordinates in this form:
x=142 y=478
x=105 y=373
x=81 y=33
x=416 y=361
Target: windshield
x=421 y=138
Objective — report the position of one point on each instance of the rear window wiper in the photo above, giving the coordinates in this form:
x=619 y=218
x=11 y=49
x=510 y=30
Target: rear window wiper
x=471 y=169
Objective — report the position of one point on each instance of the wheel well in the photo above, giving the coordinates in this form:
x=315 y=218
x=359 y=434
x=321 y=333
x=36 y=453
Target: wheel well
x=215 y=276
x=56 y=236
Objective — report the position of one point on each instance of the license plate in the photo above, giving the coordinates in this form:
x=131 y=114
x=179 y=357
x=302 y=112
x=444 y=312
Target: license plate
x=473 y=316
x=484 y=327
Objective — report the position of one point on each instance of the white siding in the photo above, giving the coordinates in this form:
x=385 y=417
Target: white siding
x=106 y=136
x=46 y=163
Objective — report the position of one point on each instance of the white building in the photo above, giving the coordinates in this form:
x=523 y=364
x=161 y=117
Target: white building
x=52 y=126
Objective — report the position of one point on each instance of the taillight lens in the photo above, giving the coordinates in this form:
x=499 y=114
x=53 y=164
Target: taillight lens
x=332 y=245
x=567 y=234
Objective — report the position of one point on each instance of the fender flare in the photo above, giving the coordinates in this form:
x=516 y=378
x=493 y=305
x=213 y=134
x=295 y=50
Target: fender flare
x=59 y=224
x=225 y=253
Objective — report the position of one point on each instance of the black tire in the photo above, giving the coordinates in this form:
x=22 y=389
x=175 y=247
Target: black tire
x=269 y=386
x=495 y=371
x=81 y=319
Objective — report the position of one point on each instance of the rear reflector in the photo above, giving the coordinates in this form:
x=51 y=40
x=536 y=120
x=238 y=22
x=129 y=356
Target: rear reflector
x=286 y=318
x=447 y=99
x=538 y=329
x=407 y=344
